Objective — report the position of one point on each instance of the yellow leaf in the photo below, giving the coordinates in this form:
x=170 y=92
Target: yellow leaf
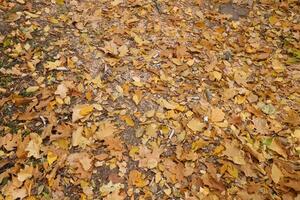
x=78 y=139
x=196 y=125
x=59 y=100
x=111 y=47
x=198 y=144
x=128 y=120
x=218 y=150
x=51 y=157
x=233 y=171
x=273 y=20
x=137 y=97
x=80 y=111
x=52 y=65
x=297 y=134
x=123 y=50
x=138 y=40
x=60 y=2
x=151 y=130
x=86 y=110
x=62 y=143
x=276 y=146
x=168 y=105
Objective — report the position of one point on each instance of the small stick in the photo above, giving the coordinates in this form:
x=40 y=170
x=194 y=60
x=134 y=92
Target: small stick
x=156 y=6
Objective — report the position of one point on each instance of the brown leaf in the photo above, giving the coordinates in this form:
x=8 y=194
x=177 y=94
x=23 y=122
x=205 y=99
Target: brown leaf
x=78 y=139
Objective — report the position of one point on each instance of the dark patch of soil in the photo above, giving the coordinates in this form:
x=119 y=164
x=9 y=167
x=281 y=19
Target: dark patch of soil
x=236 y=11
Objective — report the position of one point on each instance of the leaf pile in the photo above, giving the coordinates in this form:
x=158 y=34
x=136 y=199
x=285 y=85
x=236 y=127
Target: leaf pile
x=132 y=99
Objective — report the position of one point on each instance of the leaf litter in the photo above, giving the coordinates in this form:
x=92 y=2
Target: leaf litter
x=149 y=99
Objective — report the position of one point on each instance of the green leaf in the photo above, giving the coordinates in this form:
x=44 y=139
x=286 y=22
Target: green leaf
x=267 y=142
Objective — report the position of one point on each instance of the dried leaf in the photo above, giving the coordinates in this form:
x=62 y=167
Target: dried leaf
x=276 y=146
x=81 y=111
x=62 y=90
x=217 y=115
x=106 y=129
x=276 y=174
x=196 y=125
x=25 y=173
x=233 y=152
x=34 y=145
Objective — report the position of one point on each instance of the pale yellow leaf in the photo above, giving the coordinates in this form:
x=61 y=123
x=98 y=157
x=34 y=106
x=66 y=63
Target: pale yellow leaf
x=25 y=173
x=32 y=89
x=78 y=139
x=34 y=145
x=62 y=90
x=106 y=129
x=195 y=125
x=276 y=174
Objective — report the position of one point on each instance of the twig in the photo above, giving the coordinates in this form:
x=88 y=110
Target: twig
x=157 y=6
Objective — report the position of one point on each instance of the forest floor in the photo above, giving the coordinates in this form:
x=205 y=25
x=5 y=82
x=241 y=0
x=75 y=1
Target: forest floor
x=150 y=99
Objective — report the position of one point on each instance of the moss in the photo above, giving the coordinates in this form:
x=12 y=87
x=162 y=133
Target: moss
x=5 y=81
